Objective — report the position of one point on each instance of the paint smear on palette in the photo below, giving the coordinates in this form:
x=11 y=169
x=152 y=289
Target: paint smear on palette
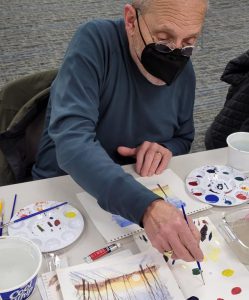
x=196 y=271
x=242 y=196
x=193 y=298
x=70 y=214
x=220 y=299
x=212 y=198
x=236 y=290
x=213 y=255
x=227 y=272
x=203 y=232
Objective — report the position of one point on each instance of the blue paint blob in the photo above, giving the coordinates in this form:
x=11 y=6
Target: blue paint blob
x=193 y=298
x=228 y=202
x=212 y=198
x=226 y=173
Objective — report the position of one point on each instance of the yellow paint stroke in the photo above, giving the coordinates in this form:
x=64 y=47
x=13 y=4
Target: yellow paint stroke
x=213 y=255
x=1 y=206
x=160 y=193
x=227 y=272
x=70 y=214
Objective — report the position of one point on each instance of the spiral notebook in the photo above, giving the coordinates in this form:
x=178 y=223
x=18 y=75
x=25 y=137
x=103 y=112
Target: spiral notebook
x=114 y=227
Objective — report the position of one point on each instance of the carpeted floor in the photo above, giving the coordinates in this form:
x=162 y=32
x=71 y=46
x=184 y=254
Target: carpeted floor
x=34 y=36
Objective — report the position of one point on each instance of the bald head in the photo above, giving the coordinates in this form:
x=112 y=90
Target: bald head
x=143 y=5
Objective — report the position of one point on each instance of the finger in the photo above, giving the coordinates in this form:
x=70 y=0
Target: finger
x=179 y=249
x=194 y=230
x=191 y=244
x=164 y=163
x=140 y=156
x=126 y=151
x=155 y=163
x=148 y=159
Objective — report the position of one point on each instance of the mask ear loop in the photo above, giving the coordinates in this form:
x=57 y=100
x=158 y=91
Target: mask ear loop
x=139 y=27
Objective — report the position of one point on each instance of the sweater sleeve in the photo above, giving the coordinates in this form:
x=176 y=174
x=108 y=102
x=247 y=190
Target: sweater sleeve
x=75 y=98
x=185 y=131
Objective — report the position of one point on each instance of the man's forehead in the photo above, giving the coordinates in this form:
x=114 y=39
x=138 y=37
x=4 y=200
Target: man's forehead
x=179 y=5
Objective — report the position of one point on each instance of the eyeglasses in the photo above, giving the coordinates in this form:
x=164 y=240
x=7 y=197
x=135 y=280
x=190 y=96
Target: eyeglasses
x=164 y=47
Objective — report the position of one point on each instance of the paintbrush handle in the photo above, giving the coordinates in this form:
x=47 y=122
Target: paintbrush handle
x=186 y=219
x=34 y=214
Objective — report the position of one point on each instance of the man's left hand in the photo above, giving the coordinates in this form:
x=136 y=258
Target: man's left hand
x=152 y=158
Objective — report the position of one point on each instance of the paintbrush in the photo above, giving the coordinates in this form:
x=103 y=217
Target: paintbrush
x=166 y=196
x=185 y=217
x=1 y=216
x=198 y=263
x=13 y=207
x=33 y=215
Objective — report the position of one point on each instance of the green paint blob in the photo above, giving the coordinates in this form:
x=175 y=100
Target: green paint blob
x=239 y=178
x=196 y=271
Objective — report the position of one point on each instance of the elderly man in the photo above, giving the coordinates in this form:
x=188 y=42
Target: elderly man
x=125 y=93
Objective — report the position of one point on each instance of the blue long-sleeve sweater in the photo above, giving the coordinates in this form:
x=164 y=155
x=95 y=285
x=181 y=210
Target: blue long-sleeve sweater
x=99 y=101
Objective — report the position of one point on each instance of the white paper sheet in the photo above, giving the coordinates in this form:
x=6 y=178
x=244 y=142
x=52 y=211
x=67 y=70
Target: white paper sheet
x=114 y=227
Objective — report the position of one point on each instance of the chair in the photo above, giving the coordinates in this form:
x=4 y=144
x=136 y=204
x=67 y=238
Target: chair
x=23 y=105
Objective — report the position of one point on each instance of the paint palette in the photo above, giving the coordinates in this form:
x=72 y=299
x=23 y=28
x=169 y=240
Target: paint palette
x=52 y=230
x=218 y=185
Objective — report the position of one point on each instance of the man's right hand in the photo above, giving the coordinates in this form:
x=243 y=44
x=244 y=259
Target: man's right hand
x=167 y=230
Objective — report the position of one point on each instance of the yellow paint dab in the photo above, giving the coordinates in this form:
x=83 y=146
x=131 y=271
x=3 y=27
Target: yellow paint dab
x=245 y=188
x=70 y=214
x=227 y=272
x=214 y=254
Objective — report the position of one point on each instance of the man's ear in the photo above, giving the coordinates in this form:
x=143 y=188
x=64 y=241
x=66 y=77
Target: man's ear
x=130 y=19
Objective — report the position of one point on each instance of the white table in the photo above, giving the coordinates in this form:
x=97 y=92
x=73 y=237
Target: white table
x=65 y=189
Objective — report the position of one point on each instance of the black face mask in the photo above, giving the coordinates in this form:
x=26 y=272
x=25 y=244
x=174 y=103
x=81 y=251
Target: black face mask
x=165 y=66
x=162 y=62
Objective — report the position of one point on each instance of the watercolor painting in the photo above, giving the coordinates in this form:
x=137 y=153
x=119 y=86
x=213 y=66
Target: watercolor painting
x=224 y=275
x=173 y=186
x=218 y=185
x=143 y=276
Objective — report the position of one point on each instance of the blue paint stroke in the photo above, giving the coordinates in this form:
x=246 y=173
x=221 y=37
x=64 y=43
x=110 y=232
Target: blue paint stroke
x=122 y=222
x=176 y=202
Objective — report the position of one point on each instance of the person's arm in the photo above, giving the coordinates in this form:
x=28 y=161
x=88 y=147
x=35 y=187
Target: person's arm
x=75 y=98
x=74 y=117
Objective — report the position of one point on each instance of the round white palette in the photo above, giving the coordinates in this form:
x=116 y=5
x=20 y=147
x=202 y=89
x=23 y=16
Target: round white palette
x=52 y=230
x=218 y=185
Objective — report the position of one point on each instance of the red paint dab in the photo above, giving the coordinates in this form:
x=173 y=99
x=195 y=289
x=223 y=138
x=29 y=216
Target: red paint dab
x=236 y=290
x=197 y=194
x=220 y=299
x=241 y=197
x=57 y=222
x=193 y=183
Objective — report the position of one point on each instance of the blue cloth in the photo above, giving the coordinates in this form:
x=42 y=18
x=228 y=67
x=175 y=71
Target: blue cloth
x=99 y=101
